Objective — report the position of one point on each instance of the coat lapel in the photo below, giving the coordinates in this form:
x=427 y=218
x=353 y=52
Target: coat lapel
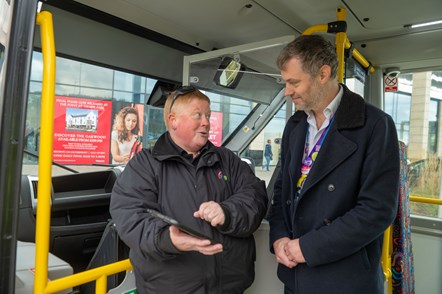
x=336 y=148
x=296 y=147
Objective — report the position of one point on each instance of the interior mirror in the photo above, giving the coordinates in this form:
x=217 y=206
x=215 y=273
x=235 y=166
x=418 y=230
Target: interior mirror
x=229 y=73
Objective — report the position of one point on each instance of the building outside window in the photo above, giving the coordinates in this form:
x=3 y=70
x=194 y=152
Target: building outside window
x=416 y=112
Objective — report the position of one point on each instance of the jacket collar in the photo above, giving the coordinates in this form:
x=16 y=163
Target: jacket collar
x=165 y=148
x=350 y=113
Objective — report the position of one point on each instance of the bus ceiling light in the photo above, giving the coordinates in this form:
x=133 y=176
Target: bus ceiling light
x=424 y=24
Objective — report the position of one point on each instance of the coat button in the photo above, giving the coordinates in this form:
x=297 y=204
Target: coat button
x=288 y=202
x=331 y=187
x=327 y=222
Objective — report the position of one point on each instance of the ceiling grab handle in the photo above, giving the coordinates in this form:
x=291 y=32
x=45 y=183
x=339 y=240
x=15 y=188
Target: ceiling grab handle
x=342 y=42
x=44 y=20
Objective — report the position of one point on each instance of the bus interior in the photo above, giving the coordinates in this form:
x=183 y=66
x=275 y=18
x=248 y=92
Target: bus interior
x=112 y=54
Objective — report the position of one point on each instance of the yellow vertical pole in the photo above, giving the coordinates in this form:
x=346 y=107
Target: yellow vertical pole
x=390 y=253
x=386 y=257
x=340 y=45
x=101 y=285
x=44 y=19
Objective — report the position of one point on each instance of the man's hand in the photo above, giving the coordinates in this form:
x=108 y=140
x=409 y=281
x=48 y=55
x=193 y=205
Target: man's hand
x=293 y=251
x=185 y=242
x=212 y=213
x=288 y=252
x=280 y=253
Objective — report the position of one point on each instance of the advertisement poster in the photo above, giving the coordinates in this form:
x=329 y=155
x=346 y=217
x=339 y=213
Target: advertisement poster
x=81 y=130
x=127 y=131
x=216 y=128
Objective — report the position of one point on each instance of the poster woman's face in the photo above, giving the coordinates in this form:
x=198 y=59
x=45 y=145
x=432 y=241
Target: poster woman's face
x=130 y=121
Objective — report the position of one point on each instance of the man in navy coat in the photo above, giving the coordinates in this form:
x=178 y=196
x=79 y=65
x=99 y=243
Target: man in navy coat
x=337 y=188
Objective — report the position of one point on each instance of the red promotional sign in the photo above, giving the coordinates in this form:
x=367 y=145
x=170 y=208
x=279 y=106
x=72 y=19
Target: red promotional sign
x=390 y=84
x=216 y=128
x=81 y=130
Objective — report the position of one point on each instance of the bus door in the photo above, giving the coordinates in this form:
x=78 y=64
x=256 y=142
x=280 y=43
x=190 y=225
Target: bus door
x=17 y=23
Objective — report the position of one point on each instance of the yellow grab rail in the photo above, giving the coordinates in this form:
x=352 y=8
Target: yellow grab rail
x=426 y=200
x=44 y=19
x=99 y=274
x=341 y=37
x=316 y=29
x=386 y=257
x=342 y=42
x=41 y=283
x=387 y=247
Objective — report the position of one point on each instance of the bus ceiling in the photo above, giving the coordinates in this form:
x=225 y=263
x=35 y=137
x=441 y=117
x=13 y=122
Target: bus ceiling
x=385 y=33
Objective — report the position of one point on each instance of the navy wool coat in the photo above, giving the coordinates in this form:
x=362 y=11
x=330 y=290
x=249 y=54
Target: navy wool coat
x=349 y=198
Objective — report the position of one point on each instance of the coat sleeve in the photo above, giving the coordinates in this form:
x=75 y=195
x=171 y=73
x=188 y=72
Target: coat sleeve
x=375 y=202
x=247 y=205
x=135 y=190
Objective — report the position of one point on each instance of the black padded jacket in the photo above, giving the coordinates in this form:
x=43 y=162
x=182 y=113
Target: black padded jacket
x=163 y=179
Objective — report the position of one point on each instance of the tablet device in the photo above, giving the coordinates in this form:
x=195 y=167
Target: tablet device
x=179 y=225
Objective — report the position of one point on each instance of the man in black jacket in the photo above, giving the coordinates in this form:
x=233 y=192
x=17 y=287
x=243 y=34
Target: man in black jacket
x=337 y=190
x=207 y=188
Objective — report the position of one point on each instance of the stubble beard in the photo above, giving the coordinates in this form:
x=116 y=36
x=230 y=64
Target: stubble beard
x=316 y=97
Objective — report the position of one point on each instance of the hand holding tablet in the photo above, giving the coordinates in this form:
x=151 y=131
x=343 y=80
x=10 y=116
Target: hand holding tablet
x=182 y=227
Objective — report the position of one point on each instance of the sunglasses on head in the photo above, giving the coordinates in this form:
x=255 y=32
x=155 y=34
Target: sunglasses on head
x=183 y=90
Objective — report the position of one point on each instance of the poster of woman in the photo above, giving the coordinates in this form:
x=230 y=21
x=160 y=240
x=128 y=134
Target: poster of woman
x=127 y=130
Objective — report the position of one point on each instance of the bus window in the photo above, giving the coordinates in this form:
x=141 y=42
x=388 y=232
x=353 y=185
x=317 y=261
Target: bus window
x=256 y=150
x=87 y=98
x=84 y=89
x=415 y=108
x=227 y=114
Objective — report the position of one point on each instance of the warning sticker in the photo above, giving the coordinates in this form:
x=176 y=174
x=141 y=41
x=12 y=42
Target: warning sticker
x=390 y=84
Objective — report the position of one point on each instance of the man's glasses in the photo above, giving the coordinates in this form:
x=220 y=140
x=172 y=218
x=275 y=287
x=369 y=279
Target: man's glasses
x=183 y=90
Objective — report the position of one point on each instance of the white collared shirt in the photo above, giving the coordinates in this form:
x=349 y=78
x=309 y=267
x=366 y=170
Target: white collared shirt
x=329 y=111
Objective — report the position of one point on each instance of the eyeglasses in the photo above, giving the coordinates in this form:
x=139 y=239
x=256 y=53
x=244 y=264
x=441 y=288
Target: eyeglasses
x=183 y=90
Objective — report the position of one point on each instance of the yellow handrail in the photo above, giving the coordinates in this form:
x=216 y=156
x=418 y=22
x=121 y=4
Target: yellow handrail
x=41 y=283
x=316 y=29
x=387 y=247
x=44 y=19
x=340 y=45
x=386 y=257
x=99 y=274
x=426 y=200
x=342 y=42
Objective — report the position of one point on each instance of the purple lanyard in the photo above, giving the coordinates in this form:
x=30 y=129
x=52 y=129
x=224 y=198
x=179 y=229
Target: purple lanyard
x=307 y=163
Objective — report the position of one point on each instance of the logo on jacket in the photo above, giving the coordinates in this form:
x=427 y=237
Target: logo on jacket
x=221 y=176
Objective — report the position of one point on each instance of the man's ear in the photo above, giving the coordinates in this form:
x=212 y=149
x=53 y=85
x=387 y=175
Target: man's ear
x=172 y=121
x=324 y=73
